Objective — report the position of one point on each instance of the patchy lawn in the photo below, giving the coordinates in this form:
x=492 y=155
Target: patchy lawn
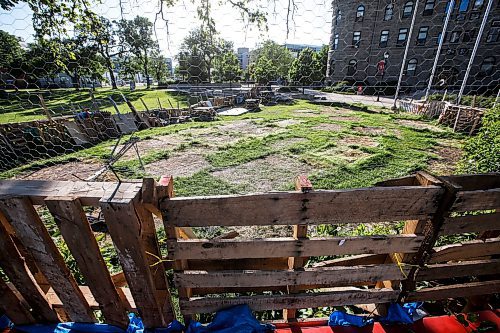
x=24 y=105
x=264 y=151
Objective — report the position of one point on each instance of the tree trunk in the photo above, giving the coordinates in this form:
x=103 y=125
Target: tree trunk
x=146 y=72
x=111 y=74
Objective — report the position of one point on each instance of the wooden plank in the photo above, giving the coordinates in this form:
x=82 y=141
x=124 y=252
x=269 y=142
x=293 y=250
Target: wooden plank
x=289 y=247
x=477 y=200
x=12 y=304
x=360 y=259
x=89 y=193
x=475 y=182
x=29 y=228
x=467 y=250
x=300 y=301
x=75 y=229
x=16 y=269
x=454 y=291
x=125 y=229
x=369 y=205
x=459 y=269
x=338 y=276
x=471 y=223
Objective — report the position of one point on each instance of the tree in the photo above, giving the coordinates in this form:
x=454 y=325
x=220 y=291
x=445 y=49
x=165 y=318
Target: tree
x=227 y=67
x=305 y=68
x=136 y=35
x=321 y=58
x=159 y=66
x=271 y=62
x=102 y=35
x=204 y=46
x=11 y=50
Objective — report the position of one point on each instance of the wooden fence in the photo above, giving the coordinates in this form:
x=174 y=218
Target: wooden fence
x=270 y=273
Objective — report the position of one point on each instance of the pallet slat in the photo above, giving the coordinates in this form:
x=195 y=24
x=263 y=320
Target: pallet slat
x=13 y=305
x=477 y=200
x=29 y=228
x=298 y=301
x=467 y=268
x=454 y=291
x=16 y=269
x=290 y=247
x=75 y=229
x=471 y=223
x=466 y=250
x=121 y=216
x=377 y=204
x=338 y=276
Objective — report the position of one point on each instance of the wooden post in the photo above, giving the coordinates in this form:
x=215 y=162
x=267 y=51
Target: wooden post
x=29 y=228
x=302 y=184
x=75 y=229
x=165 y=190
x=125 y=222
x=44 y=107
x=12 y=304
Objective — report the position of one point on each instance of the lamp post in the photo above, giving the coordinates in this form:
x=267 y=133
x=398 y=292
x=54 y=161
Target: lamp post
x=382 y=67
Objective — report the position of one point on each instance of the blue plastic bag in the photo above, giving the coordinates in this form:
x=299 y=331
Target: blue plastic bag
x=339 y=318
x=236 y=319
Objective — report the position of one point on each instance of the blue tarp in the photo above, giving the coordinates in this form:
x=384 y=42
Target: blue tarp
x=236 y=319
x=396 y=314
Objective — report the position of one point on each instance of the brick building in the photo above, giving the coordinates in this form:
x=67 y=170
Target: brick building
x=368 y=40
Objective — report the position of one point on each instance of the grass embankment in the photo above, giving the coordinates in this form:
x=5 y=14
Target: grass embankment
x=24 y=105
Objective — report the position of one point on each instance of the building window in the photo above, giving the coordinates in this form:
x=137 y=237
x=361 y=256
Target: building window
x=411 y=68
x=455 y=36
x=339 y=16
x=422 y=35
x=336 y=42
x=493 y=35
x=360 y=13
x=356 y=38
x=478 y=5
x=464 y=6
x=438 y=38
x=389 y=12
x=487 y=66
x=384 y=38
x=351 y=69
x=429 y=7
x=402 y=36
x=408 y=9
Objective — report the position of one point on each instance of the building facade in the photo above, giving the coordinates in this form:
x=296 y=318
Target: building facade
x=368 y=41
x=243 y=57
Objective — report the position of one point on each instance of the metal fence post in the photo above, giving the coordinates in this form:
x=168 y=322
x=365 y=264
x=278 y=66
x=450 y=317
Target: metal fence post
x=473 y=55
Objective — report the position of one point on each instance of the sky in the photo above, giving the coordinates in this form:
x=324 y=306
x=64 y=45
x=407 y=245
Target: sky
x=310 y=25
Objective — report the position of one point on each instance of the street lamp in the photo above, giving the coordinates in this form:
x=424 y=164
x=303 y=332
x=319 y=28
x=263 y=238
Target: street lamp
x=381 y=67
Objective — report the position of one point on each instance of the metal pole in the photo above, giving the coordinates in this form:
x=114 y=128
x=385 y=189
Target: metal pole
x=473 y=55
x=497 y=98
x=441 y=42
x=415 y=10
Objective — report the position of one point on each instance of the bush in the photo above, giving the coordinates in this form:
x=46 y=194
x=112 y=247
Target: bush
x=482 y=152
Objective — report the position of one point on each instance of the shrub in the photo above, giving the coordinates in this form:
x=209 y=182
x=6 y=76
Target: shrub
x=482 y=152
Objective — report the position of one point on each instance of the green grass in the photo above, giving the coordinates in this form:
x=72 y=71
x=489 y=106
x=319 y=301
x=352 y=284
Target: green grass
x=24 y=105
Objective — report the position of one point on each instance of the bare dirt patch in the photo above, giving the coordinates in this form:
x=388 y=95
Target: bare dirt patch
x=272 y=173
x=357 y=140
x=247 y=128
x=285 y=144
x=287 y=122
x=306 y=113
x=329 y=127
x=420 y=125
x=163 y=142
x=345 y=118
x=74 y=171
x=446 y=164
x=182 y=164
x=370 y=130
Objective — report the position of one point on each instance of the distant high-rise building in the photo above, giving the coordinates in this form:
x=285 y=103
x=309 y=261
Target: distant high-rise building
x=168 y=61
x=243 y=57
